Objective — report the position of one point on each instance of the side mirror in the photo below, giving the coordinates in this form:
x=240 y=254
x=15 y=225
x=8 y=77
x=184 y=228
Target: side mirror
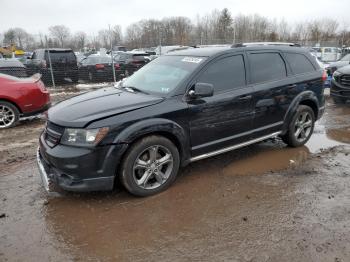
x=201 y=90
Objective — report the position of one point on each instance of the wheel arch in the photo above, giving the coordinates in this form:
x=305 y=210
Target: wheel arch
x=12 y=103
x=160 y=127
x=307 y=98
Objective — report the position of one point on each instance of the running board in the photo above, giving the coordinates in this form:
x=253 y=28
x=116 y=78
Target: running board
x=227 y=149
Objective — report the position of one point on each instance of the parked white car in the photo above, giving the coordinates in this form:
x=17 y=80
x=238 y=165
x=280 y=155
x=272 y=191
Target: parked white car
x=328 y=54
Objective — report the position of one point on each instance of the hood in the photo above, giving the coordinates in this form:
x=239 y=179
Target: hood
x=80 y=110
x=344 y=70
x=338 y=64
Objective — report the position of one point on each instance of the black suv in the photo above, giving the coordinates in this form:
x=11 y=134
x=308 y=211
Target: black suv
x=63 y=61
x=179 y=108
x=129 y=62
x=340 y=86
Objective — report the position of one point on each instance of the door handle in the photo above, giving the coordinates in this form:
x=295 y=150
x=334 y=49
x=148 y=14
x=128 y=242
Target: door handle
x=245 y=97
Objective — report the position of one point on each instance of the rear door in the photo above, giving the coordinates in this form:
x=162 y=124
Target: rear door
x=274 y=88
x=308 y=74
x=225 y=118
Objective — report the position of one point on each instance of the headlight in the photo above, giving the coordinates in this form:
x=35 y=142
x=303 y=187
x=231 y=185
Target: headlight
x=83 y=137
x=336 y=75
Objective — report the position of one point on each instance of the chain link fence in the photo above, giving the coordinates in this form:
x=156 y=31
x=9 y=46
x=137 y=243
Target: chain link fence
x=64 y=68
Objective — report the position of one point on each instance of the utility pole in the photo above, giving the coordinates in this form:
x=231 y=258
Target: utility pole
x=234 y=32
x=48 y=54
x=110 y=38
x=160 y=43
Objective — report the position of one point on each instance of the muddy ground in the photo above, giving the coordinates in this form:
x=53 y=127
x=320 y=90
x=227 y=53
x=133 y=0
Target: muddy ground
x=265 y=202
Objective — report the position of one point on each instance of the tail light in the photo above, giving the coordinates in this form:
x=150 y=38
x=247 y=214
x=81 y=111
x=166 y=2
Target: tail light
x=117 y=66
x=42 y=86
x=100 y=66
x=324 y=75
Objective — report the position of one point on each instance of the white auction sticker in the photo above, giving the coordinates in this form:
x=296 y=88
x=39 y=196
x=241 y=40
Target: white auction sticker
x=192 y=60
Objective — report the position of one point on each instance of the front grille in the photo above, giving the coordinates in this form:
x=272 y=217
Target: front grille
x=345 y=80
x=53 y=134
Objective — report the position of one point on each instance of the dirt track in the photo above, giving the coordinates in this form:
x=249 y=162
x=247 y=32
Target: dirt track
x=265 y=202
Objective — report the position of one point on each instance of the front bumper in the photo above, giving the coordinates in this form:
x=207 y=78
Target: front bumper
x=45 y=177
x=339 y=90
x=78 y=169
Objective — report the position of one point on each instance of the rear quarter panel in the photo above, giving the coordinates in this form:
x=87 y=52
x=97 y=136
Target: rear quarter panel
x=34 y=96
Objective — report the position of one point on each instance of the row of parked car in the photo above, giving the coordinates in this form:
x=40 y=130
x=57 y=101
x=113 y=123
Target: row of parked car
x=70 y=67
x=67 y=67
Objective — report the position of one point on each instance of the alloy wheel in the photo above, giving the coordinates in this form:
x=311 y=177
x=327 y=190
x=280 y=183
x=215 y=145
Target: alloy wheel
x=303 y=126
x=7 y=116
x=153 y=167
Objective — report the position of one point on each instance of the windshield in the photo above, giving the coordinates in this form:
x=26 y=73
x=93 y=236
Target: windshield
x=162 y=75
x=346 y=58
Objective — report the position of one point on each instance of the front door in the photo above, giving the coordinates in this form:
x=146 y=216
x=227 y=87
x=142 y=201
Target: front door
x=226 y=117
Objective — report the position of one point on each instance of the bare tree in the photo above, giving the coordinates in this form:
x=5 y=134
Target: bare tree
x=10 y=37
x=60 y=32
x=116 y=35
x=283 y=30
x=80 y=39
x=104 y=39
x=224 y=26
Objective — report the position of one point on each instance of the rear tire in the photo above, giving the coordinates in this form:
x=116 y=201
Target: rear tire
x=150 y=166
x=301 y=127
x=9 y=115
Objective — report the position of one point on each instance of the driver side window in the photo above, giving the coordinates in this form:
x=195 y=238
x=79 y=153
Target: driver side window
x=225 y=74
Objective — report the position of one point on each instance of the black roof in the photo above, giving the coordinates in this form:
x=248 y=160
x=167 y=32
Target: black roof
x=211 y=51
x=56 y=49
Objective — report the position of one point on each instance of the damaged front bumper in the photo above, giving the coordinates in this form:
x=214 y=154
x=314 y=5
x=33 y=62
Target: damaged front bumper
x=45 y=177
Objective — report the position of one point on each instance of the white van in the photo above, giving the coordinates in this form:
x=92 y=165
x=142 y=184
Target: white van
x=330 y=54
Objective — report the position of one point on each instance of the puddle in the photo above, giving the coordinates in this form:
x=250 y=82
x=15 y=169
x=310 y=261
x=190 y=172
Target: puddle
x=270 y=160
x=341 y=135
x=323 y=138
x=332 y=130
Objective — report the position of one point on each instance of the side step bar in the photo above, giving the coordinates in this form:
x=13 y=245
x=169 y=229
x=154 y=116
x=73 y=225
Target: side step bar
x=227 y=149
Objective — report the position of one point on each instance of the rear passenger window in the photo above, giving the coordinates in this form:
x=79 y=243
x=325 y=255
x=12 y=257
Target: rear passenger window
x=225 y=74
x=267 y=67
x=299 y=63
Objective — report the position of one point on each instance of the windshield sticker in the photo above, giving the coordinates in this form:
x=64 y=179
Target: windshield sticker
x=192 y=60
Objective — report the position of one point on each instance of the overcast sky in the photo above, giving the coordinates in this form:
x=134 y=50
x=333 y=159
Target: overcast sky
x=92 y=15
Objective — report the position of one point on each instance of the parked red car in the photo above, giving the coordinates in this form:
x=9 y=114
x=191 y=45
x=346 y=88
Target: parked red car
x=21 y=97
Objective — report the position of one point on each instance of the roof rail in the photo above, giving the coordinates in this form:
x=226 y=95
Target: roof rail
x=265 y=43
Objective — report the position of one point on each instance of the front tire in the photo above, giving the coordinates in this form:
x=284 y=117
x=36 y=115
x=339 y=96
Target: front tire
x=301 y=127
x=9 y=115
x=150 y=166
